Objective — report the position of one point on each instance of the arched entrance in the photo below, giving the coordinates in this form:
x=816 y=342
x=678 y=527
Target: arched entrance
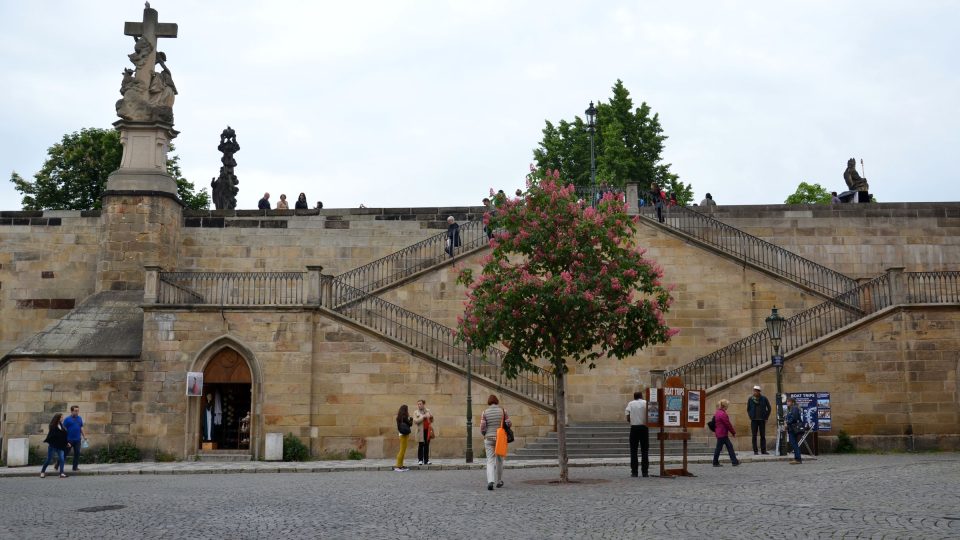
x=225 y=411
x=226 y=418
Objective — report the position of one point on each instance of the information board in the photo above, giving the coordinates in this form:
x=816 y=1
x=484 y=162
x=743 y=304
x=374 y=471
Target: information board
x=814 y=408
x=673 y=406
x=696 y=399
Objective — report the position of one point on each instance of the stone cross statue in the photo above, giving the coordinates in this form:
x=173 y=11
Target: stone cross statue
x=147 y=95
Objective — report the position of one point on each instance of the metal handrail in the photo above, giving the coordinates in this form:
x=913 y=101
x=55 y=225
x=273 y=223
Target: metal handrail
x=438 y=341
x=933 y=287
x=754 y=250
x=406 y=262
x=231 y=288
x=801 y=329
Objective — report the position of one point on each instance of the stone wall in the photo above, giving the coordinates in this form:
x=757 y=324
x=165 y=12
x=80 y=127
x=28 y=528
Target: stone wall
x=137 y=230
x=860 y=240
x=47 y=266
x=889 y=378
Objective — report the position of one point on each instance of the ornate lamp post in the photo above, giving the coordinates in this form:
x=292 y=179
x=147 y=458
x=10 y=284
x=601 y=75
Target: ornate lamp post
x=591 y=113
x=775 y=325
x=469 y=453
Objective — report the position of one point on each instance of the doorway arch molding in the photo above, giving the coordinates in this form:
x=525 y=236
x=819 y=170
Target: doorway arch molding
x=199 y=363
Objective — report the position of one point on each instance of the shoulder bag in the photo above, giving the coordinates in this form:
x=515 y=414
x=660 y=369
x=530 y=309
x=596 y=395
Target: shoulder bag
x=501 y=447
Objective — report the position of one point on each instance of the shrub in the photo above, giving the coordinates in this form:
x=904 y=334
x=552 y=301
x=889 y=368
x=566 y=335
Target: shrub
x=36 y=456
x=845 y=443
x=294 y=449
x=164 y=457
x=354 y=454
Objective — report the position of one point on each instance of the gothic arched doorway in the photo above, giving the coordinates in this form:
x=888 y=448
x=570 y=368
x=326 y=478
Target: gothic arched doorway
x=226 y=406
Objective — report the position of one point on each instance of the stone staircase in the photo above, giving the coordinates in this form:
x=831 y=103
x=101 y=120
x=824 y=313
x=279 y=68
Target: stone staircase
x=610 y=440
x=223 y=456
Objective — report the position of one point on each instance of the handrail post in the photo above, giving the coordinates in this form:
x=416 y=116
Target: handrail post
x=895 y=282
x=314 y=290
x=326 y=290
x=151 y=286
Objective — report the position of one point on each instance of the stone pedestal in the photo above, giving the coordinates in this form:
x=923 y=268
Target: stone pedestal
x=143 y=166
x=18 y=452
x=141 y=213
x=274 y=447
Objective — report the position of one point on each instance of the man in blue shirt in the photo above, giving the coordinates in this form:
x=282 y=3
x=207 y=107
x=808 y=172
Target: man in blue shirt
x=75 y=433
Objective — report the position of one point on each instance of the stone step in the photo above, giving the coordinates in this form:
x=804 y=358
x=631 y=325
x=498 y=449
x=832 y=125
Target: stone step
x=224 y=456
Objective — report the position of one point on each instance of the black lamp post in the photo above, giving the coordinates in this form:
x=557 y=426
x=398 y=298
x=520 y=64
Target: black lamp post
x=469 y=453
x=775 y=325
x=591 y=128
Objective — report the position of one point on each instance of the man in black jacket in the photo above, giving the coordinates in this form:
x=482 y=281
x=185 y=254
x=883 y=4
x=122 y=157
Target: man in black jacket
x=758 y=409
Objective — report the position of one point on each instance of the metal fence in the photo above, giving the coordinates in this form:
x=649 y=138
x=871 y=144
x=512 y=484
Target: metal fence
x=801 y=329
x=384 y=271
x=593 y=194
x=933 y=287
x=755 y=250
x=232 y=288
x=438 y=341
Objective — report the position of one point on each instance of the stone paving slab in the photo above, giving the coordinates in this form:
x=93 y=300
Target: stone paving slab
x=848 y=496
x=207 y=467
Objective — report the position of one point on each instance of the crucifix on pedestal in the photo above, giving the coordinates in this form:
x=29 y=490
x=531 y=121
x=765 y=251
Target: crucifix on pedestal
x=148 y=31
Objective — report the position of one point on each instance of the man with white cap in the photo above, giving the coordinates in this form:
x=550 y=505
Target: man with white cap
x=758 y=409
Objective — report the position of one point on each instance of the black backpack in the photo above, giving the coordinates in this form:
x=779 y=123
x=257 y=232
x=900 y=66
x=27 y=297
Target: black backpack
x=712 y=424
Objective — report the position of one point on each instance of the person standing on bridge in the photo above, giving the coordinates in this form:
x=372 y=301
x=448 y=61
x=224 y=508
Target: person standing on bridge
x=639 y=434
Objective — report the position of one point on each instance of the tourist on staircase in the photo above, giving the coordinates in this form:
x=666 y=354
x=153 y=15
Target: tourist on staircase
x=453 y=236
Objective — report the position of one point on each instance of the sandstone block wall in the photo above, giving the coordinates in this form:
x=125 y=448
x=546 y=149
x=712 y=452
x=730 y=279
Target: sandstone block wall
x=889 y=379
x=860 y=240
x=137 y=230
x=47 y=266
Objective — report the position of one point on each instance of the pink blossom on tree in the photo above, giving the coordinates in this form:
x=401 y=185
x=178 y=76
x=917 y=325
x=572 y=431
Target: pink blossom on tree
x=569 y=285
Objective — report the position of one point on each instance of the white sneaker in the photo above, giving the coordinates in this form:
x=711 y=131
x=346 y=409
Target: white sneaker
x=419 y=463
x=400 y=469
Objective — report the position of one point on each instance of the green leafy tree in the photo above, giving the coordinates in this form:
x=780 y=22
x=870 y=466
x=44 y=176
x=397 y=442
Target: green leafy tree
x=629 y=143
x=809 y=194
x=565 y=283
x=75 y=173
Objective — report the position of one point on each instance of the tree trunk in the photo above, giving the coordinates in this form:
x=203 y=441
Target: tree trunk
x=561 y=402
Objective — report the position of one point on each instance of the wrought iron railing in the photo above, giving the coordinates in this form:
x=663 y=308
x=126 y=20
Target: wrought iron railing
x=801 y=329
x=408 y=261
x=754 y=250
x=231 y=288
x=438 y=341
x=933 y=287
x=593 y=194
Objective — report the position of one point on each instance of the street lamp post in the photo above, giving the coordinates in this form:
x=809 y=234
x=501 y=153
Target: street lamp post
x=469 y=453
x=775 y=325
x=591 y=128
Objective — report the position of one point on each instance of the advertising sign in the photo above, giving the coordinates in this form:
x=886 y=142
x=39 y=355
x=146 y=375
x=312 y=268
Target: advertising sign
x=695 y=402
x=653 y=408
x=672 y=406
x=815 y=409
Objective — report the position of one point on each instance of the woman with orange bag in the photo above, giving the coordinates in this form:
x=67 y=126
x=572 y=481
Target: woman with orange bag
x=491 y=420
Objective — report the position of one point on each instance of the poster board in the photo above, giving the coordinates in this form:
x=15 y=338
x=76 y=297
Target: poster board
x=194 y=383
x=696 y=401
x=815 y=409
x=673 y=409
x=653 y=408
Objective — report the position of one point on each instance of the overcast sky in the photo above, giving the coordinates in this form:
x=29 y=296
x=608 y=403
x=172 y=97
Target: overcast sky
x=404 y=103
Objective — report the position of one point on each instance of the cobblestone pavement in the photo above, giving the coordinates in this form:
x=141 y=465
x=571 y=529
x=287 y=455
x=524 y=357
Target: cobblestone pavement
x=862 y=496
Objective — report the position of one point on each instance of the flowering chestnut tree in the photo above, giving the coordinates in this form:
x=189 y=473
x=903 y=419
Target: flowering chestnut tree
x=564 y=283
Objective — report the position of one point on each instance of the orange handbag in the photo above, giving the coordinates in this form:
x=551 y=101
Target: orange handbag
x=501 y=448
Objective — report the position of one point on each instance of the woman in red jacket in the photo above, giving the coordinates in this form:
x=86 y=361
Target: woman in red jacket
x=724 y=428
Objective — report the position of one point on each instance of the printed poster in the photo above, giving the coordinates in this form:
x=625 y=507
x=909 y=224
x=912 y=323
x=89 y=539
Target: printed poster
x=693 y=407
x=814 y=408
x=195 y=383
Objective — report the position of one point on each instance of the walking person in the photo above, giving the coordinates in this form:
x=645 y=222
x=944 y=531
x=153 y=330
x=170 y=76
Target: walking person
x=794 y=423
x=723 y=431
x=639 y=434
x=423 y=420
x=404 y=422
x=453 y=236
x=489 y=423
x=758 y=410
x=56 y=445
x=75 y=434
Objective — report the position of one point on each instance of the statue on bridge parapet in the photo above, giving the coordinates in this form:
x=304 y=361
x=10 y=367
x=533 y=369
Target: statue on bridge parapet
x=225 y=187
x=855 y=183
x=148 y=96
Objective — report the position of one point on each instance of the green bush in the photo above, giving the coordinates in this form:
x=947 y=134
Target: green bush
x=36 y=456
x=294 y=449
x=164 y=457
x=845 y=443
x=354 y=454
